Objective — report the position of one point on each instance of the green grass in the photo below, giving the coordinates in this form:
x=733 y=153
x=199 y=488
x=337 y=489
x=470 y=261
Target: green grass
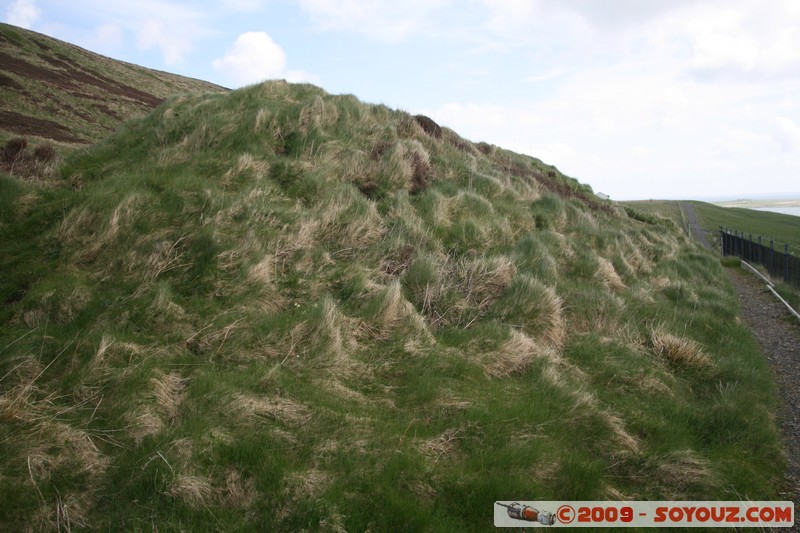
x=789 y=293
x=776 y=226
x=663 y=208
x=264 y=310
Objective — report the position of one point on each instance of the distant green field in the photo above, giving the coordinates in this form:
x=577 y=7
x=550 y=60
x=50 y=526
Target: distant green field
x=778 y=227
x=781 y=228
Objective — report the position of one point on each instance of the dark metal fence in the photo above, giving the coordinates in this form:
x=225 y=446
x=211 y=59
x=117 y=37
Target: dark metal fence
x=779 y=262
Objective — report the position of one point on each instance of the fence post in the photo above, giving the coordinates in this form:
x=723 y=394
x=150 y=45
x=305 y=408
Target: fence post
x=772 y=257
x=724 y=240
x=750 y=248
x=786 y=262
x=727 y=241
x=760 y=251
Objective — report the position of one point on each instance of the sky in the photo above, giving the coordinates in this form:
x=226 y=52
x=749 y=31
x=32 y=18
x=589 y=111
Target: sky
x=696 y=99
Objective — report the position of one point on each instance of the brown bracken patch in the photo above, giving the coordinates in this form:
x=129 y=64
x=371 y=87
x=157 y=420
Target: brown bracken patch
x=25 y=125
x=429 y=126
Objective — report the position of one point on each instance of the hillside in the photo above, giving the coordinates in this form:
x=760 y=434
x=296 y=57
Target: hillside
x=53 y=90
x=281 y=309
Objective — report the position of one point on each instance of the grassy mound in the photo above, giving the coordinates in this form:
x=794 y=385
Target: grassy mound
x=283 y=309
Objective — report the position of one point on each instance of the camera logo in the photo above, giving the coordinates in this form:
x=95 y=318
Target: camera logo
x=528 y=513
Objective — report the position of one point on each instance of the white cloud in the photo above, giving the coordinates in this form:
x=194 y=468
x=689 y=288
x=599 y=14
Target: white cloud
x=109 y=33
x=738 y=142
x=623 y=15
x=733 y=39
x=107 y=37
x=255 y=57
x=787 y=134
x=242 y=6
x=23 y=13
x=172 y=28
x=481 y=122
x=647 y=99
x=639 y=130
x=387 y=20
x=173 y=43
x=740 y=39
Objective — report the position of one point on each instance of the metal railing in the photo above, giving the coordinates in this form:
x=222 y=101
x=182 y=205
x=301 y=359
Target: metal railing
x=779 y=263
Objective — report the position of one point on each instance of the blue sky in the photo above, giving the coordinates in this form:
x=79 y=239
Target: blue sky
x=638 y=98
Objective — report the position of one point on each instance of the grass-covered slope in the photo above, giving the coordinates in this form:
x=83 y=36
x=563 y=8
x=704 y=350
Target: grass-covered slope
x=279 y=309
x=53 y=90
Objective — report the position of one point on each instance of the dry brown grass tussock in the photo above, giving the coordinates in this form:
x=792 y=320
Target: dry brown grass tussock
x=280 y=409
x=163 y=306
x=194 y=491
x=247 y=163
x=603 y=316
x=681 y=469
x=239 y=491
x=476 y=283
x=319 y=114
x=483 y=280
x=634 y=256
x=57 y=306
x=211 y=338
x=336 y=221
x=332 y=336
x=551 y=323
x=99 y=357
x=62 y=514
x=607 y=274
x=396 y=311
x=526 y=190
x=677 y=350
x=143 y=422
x=309 y=483
x=336 y=387
x=168 y=390
x=517 y=354
x=443 y=446
x=451 y=402
x=628 y=441
x=121 y=216
x=652 y=385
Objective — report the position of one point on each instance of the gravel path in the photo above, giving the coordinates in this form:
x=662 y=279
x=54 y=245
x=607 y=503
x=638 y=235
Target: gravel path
x=778 y=333
x=694 y=226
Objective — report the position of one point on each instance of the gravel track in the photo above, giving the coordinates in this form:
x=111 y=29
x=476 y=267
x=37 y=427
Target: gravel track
x=778 y=334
